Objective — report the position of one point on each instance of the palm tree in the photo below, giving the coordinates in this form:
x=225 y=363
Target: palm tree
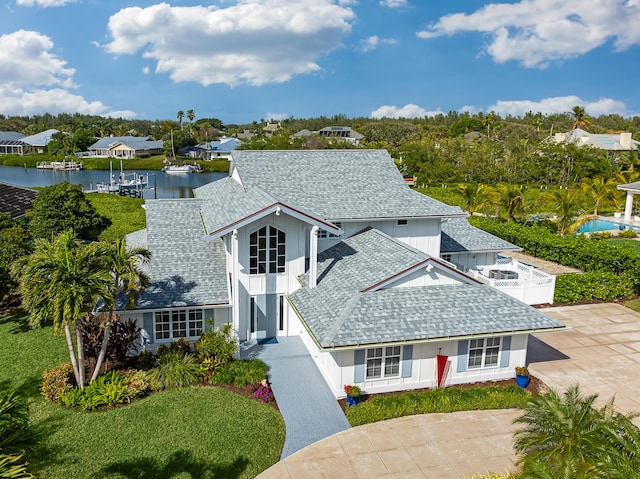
x=580 y=118
x=489 y=120
x=599 y=190
x=511 y=199
x=180 y=116
x=569 y=215
x=474 y=197
x=566 y=436
x=127 y=278
x=59 y=282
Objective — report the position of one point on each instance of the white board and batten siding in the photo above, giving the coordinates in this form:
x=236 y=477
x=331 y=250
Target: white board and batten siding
x=418 y=365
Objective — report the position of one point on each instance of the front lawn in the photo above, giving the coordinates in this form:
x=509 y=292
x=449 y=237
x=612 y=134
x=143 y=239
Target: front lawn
x=624 y=241
x=200 y=431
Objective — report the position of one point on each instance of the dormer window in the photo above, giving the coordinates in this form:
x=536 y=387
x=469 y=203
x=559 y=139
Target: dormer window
x=267 y=251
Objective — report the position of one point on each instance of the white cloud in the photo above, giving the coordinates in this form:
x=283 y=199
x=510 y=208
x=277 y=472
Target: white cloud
x=275 y=116
x=408 y=111
x=44 y=3
x=33 y=80
x=253 y=42
x=146 y=70
x=536 y=32
x=560 y=104
x=372 y=43
x=394 y=3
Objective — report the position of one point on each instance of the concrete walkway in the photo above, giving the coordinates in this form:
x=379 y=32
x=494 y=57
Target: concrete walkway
x=601 y=353
x=308 y=407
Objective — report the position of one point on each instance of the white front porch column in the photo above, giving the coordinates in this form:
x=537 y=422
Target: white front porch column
x=235 y=283
x=628 y=207
x=313 y=257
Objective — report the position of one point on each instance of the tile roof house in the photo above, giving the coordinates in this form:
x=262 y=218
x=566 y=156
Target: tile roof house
x=15 y=200
x=332 y=246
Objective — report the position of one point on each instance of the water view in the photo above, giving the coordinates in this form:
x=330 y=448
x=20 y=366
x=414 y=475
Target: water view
x=161 y=185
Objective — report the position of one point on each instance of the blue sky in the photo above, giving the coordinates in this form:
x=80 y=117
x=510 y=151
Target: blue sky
x=242 y=61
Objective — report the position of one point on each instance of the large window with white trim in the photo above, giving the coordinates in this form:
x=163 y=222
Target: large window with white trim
x=178 y=323
x=483 y=353
x=267 y=251
x=383 y=362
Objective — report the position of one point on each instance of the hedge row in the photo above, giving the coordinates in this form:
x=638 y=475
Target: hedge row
x=610 y=271
x=576 y=251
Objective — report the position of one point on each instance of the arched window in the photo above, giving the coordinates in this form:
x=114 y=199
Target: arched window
x=266 y=251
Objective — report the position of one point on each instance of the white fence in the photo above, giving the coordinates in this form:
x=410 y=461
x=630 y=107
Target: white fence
x=532 y=286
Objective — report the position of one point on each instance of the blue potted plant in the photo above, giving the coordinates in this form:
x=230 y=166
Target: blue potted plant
x=353 y=394
x=522 y=376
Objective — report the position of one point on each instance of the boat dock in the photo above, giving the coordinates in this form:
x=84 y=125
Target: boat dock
x=59 y=165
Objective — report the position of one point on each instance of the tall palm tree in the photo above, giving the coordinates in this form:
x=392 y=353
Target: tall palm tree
x=511 y=199
x=180 y=116
x=127 y=278
x=59 y=282
x=580 y=118
x=489 y=119
x=569 y=214
x=566 y=436
x=599 y=190
x=474 y=197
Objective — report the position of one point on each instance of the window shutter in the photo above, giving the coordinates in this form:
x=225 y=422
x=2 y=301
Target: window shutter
x=506 y=351
x=358 y=362
x=463 y=351
x=147 y=322
x=407 y=360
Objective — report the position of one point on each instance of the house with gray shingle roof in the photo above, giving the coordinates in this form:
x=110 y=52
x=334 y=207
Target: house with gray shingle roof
x=125 y=147
x=334 y=247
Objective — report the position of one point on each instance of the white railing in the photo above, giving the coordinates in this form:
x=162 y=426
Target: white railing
x=532 y=286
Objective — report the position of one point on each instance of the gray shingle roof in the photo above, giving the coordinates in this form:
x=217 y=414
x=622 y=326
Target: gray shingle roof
x=40 y=139
x=459 y=236
x=135 y=142
x=10 y=136
x=338 y=314
x=337 y=184
x=178 y=273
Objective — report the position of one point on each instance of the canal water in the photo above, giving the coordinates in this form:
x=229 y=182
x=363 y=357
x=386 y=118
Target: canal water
x=166 y=186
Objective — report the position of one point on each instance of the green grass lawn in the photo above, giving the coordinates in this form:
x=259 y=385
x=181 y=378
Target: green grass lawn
x=197 y=432
x=622 y=241
x=126 y=214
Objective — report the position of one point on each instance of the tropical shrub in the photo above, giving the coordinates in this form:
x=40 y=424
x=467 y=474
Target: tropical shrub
x=12 y=467
x=106 y=390
x=380 y=408
x=241 y=372
x=175 y=370
x=16 y=436
x=217 y=346
x=600 y=235
x=56 y=382
x=628 y=234
x=181 y=346
x=145 y=360
x=567 y=436
x=596 y=285
x=122 y=340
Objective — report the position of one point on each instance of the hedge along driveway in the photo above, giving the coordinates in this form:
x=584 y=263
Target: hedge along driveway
x=198 y=431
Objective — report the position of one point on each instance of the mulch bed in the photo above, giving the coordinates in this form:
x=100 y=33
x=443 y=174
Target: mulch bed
x=536 y=386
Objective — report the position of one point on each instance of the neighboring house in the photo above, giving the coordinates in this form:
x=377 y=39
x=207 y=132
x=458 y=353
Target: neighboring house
x=343 y=133
x=297 y=243
x=210 y=150
x=125 y=147
x=610 y=142
x=15 y=200
x=19 y=144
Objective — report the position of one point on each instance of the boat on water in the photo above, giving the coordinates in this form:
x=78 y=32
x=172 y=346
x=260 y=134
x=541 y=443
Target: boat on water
x=126 y=182
x=182 y=169
x=59 y=165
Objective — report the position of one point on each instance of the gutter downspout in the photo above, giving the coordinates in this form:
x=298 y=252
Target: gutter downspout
x=313 y=257
x=235 y=286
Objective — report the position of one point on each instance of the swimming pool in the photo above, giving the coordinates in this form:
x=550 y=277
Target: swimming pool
x=602 y=225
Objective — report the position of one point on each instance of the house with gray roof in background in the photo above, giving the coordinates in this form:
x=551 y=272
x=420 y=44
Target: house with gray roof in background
x=605 y=141
x=387 y=288
x=125 y=147
x=15 y=143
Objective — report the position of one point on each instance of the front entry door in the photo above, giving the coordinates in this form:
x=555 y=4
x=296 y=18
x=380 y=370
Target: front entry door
x=264 y=316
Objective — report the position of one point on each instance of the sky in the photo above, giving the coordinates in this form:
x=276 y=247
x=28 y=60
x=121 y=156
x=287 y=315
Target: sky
x=249 y=60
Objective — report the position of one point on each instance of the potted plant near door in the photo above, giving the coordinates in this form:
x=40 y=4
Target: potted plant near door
x=353 y=394
x=522 y=376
